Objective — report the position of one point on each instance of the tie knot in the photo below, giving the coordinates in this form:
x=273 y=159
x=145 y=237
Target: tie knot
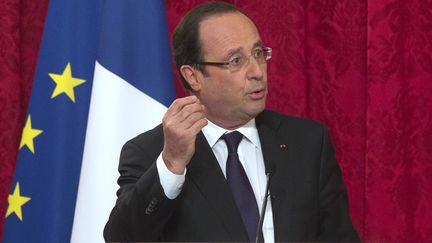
x=232 y=140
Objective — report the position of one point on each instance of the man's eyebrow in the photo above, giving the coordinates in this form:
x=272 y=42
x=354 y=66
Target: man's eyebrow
x=257 y=44
x=233 y=51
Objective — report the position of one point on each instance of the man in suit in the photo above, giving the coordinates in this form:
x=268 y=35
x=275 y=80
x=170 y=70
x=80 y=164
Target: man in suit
x=202 y=174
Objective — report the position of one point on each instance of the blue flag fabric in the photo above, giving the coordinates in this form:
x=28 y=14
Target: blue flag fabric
x=85 y=41
x=134 y=45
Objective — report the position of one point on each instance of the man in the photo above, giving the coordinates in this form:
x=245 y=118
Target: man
x=201 y=174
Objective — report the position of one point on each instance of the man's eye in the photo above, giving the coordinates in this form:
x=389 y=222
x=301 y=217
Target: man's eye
x=236 y=61
x=258 y=52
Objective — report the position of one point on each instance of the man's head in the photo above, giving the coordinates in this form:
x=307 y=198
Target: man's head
x=186 y=42
x=220 y=57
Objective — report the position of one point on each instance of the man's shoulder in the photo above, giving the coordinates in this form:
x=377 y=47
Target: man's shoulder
x=303 y=131
x=278 y=120
x=152 y=136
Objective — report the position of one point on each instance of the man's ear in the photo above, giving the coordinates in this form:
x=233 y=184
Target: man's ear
x=192 y=76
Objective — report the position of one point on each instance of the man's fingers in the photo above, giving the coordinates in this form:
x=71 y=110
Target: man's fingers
x=198 y=125
x=187 y=111
x=184 y=114
x=184 y=120
x=193 y=118
x=178 y=104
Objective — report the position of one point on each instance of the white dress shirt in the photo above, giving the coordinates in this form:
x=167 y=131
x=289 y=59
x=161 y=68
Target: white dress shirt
x=251 y=157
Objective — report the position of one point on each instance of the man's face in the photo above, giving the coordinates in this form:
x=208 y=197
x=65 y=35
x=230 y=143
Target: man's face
x=231 y=98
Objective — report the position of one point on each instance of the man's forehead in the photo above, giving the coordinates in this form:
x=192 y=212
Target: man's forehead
x=229 y=31
x=226 y=21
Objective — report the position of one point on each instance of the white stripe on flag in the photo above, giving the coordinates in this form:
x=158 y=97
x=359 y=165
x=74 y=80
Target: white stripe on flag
x=118 y=112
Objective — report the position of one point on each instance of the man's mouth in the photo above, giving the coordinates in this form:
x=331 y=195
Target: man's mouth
x=257 y=94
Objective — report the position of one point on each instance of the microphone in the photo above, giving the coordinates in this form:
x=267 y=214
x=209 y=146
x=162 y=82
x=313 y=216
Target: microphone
x=269 y=175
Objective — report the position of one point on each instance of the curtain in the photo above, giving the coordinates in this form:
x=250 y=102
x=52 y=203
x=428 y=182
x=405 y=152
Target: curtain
x=363 y=68
x=21 y=27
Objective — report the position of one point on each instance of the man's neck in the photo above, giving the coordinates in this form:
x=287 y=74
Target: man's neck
x=228 y=124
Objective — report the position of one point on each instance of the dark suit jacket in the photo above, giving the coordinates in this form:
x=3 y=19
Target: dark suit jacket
x=309 y=200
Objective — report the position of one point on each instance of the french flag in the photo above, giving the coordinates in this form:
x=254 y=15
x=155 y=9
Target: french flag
x=132 y=86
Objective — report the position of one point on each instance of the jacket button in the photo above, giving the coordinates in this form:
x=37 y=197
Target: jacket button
x=152 y=206
x=149 y=210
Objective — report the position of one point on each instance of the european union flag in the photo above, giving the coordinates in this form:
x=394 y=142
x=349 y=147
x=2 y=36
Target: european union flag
x=104 y=75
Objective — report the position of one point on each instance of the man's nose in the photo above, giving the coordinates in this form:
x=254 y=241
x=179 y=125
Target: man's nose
x=255 y=70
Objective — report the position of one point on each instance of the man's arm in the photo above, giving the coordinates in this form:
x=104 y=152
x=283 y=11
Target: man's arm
x=335 y=222
x=143 y=208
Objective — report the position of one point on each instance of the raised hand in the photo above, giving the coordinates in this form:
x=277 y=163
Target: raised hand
x=181 y=124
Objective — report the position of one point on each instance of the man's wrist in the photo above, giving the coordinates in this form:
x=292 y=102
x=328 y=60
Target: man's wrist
x=173 y=167
x=171 y=183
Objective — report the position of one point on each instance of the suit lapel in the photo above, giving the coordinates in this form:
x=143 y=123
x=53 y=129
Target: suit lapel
x=204 y=171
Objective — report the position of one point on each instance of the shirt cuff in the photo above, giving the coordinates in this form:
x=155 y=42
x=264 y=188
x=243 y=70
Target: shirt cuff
x=171 y=183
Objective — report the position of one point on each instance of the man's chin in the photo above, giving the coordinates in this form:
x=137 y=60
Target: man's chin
x=256 y=109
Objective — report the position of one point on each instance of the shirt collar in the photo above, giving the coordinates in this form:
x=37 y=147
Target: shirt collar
x=213 y=132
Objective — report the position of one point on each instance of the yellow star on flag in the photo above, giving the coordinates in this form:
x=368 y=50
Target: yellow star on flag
x=16 y=201
x=65 y=83
x=28 y=135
